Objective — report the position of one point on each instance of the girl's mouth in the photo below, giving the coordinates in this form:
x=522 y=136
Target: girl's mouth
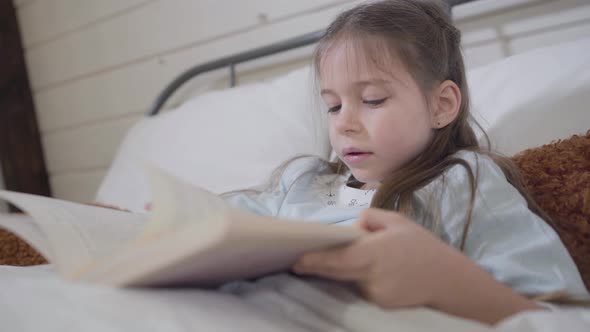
x=356 y=157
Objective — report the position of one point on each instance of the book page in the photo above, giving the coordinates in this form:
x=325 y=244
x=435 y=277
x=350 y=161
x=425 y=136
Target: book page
x=77 y=233
x=177 y=203
x=230 y=247
x=24 y=227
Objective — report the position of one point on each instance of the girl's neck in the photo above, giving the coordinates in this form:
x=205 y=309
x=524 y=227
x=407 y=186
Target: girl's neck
x=360 y=185
x=354 y=183
x=369 y=186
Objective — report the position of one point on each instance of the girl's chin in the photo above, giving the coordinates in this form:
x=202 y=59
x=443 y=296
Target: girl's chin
x=369 y=182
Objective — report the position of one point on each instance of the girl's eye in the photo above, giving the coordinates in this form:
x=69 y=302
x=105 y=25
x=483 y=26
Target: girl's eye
x=376 y=102
x=334 y=109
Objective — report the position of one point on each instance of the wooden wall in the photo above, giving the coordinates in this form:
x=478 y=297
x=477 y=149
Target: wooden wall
x=95 y=66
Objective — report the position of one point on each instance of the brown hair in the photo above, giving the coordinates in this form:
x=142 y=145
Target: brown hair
x=419 y=33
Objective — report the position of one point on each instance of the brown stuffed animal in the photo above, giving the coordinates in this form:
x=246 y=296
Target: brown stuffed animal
x=14 y=251
x=558 y=177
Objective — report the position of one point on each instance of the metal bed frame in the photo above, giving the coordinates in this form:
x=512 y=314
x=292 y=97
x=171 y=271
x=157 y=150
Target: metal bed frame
x=232 y=60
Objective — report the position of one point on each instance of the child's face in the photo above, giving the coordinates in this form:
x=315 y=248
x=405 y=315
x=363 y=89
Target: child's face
x=377 y=121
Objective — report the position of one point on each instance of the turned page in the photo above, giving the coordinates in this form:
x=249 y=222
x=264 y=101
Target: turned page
x=177 y=204
x=77 y=233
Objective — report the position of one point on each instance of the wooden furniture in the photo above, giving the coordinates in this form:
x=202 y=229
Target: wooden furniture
x=21 y=153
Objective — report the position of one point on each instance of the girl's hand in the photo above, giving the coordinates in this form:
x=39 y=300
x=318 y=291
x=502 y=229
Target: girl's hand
x=398 y=265
x=112 y=207
x=401 y=264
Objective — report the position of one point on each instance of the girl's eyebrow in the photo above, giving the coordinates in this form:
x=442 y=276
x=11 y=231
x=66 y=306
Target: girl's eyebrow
x=380 y=81
x=327 y=92
x=375 y=81
x=361 y=84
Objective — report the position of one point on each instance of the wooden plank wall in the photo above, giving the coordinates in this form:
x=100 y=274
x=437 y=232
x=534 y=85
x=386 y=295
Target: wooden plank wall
x=95 y=66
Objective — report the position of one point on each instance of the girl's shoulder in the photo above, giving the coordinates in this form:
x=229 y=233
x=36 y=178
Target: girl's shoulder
x=303 y=165
x=481 y=166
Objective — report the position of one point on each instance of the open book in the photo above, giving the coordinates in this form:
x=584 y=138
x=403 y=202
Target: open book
x=191 y=238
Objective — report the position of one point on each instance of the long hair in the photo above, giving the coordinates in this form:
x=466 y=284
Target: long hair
x=420 y=34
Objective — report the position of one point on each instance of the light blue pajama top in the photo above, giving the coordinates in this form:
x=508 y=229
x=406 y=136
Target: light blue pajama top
x=505 y=238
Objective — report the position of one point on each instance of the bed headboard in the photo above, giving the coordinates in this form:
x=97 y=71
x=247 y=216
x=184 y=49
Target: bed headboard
x=232 y=60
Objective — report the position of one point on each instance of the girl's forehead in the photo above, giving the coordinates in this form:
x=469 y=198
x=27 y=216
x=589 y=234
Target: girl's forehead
x=352 y=61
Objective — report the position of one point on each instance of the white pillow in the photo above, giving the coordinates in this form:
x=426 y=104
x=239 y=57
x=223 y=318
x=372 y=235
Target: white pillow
x=234 y=138
x=533 y=98
x=221 y=140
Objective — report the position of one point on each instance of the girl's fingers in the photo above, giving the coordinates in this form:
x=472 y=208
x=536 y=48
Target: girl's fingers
x=112 y=207
x=337 y=264
x=377 y=219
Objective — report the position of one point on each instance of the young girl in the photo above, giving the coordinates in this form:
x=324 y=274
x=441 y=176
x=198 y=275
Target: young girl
x=450 y=223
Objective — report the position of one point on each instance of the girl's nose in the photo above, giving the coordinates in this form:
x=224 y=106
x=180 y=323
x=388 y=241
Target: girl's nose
x=348 y=121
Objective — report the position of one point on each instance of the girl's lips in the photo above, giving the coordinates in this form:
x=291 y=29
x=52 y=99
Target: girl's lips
x=357 y=157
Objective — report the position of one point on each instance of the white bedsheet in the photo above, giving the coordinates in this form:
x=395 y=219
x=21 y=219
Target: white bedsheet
x=36 y=299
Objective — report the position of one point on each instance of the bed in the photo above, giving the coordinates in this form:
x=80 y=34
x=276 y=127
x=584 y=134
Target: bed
x=518 y=100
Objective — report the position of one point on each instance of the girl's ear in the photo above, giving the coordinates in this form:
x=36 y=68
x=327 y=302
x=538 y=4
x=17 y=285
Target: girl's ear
x=447 y=101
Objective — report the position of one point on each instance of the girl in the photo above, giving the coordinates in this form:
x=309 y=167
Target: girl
x=451 y=226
